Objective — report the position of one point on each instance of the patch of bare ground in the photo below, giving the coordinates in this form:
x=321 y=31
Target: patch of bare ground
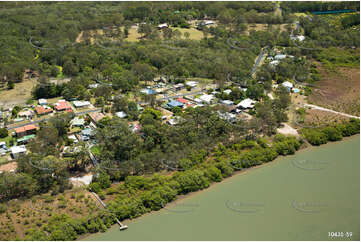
x=21 y=215
x=318 y=118
x=9 y=166
x=314 y=116
x=338 y=89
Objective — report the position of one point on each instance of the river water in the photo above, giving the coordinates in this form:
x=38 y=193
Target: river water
x=300 y=197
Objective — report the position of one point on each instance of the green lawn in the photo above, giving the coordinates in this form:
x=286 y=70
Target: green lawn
x=7 y=140
x=95 y=150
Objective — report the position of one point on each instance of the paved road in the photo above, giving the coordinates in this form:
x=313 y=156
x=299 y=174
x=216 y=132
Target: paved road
x=329 y=110
x=46 y=119
x=258 y=61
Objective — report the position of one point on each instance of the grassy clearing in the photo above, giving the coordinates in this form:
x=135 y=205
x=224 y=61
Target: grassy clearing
x=264 y=27
x=194 y=34
x=133 y=35
x=8 y=139
x=19 y=95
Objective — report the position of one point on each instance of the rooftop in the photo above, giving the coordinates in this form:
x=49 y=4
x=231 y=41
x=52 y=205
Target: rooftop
x=25 y=128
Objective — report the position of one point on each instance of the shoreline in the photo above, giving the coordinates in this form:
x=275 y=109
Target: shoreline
x=182 y=198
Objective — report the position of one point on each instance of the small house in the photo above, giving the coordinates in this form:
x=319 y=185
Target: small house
x=28 y=114
x=179 y=86
x=17 y=151
x=173 y=104
x=73 y=138
x=274 y=63
x=192 y=84
x=121 y=114
x=63 y=105
x=288 y=85
x=77 y=122
x=227 y=102
x=42 y=101
x=297 y=37
x=246 y=104
x=227 y=91
x=162 y=26
x=206 y=98
x=42 y=110
x=148 y=91
x=25 y=130
x=280 y=57
x=87 y=134
x=71 y=151
x=25 y=139
x=96 y=117
x=81 y=104
x=182 y=100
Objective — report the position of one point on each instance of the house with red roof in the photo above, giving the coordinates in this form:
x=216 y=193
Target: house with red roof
x=25 y=130
x=42 y=110
x=63 y=105
x=182 y=100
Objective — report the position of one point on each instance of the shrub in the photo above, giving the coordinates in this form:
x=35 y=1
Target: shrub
x=213 y=174
x=191 y=180
x=4 y=133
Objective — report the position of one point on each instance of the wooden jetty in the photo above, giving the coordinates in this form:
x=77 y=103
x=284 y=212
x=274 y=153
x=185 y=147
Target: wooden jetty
x=121 y=226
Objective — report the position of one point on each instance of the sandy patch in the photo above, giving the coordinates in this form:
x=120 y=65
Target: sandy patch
x=287 y=130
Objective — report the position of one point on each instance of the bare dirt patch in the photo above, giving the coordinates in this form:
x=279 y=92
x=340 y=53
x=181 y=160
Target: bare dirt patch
x=339 y=90
x=9 y=166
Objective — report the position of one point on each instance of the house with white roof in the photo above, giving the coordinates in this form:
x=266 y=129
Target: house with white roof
x=228 y=91
x=274 y=63
x=81 y=104
x=207 y=98
x=121 y=114
x=42 y=101
x=227 y=102
x=163 y=26
x=192 y=83
x=288 y=85
x=297 y=37
x=246 y=103
x=77 y=122
x=16 y=151
x=280 y=57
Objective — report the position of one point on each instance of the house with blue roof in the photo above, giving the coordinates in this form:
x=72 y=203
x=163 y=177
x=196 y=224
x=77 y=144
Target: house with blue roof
x=173 y=104
x=148 y=91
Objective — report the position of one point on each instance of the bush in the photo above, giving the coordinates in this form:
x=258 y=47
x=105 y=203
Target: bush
x=2 y=208
x=213 y=174
x=314 y=136
x=332 y=133
x=191 y=180
x=225 y=168
x=4 y=133
x=320 y=136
